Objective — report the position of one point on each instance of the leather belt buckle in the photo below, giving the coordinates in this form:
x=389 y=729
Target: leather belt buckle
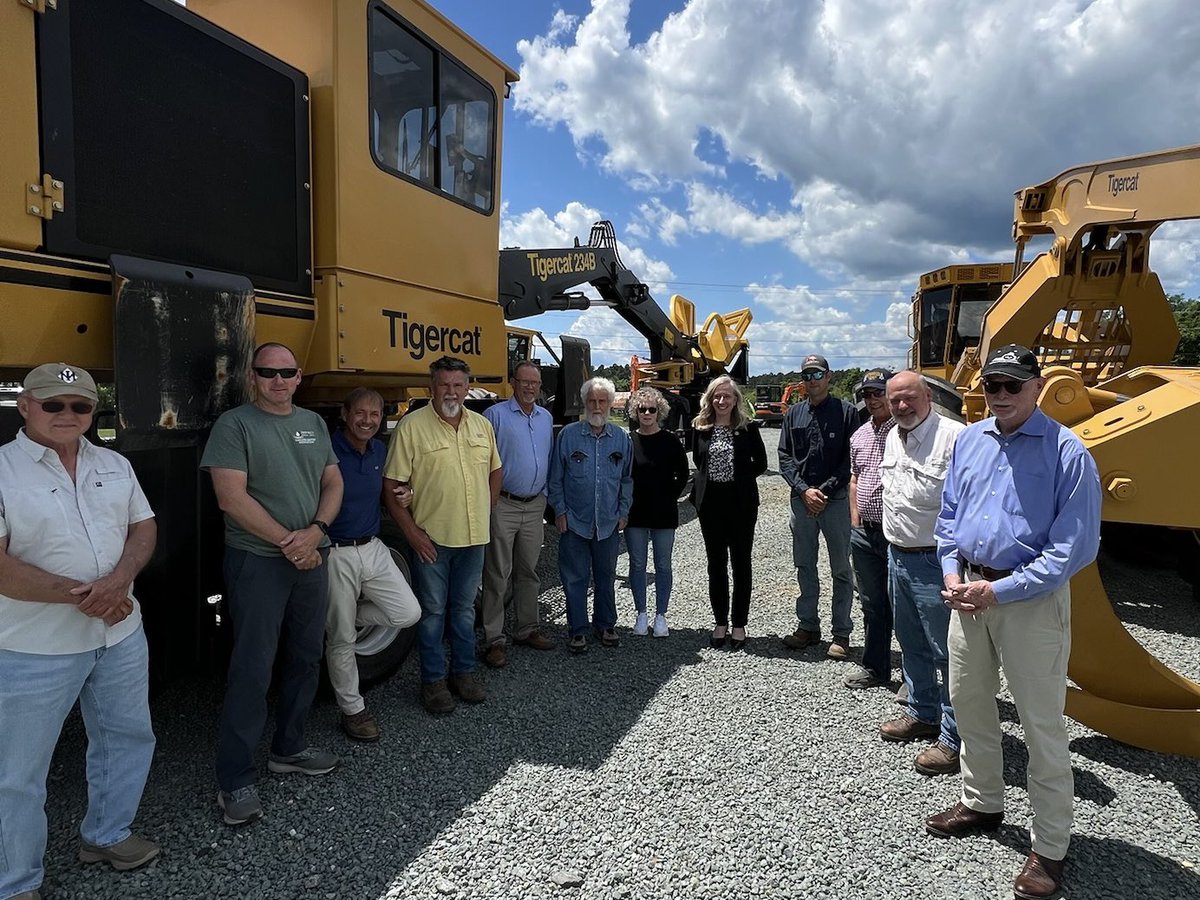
x=518 y=497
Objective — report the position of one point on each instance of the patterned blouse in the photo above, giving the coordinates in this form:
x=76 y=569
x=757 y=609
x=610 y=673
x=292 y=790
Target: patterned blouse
x=720 y=455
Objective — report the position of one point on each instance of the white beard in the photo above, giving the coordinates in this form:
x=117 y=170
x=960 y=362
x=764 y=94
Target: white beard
x=596 y=420
x=450 y=409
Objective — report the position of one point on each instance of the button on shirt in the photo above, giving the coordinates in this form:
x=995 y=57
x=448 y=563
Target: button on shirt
x=913 y=472
x=814 y=446
x=76 y=529
x=866 y=453
x=362 y=488
x=524 y=443
x=1027 y=501
x=591 y=478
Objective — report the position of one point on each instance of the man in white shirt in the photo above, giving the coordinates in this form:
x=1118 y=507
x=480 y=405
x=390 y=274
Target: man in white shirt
x=75 y=529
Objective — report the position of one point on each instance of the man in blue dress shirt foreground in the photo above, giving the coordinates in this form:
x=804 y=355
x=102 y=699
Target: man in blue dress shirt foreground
x=1020 y=515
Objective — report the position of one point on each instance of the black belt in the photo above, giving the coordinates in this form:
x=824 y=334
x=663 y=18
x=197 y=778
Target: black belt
x=518 y=497
x=354 y=542
x=986 y=571
x=913 y=549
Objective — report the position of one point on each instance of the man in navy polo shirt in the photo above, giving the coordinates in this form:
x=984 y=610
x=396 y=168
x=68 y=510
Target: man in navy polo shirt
x=359 y=563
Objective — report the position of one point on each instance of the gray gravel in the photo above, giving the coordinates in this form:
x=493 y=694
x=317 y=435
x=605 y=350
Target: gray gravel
x=659 y=769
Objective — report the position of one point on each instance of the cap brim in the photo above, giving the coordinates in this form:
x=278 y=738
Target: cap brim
x=66 y=390
x=1014 y=372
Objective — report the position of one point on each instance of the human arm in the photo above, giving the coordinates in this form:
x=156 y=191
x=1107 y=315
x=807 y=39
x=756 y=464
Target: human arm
x=21 y=581
x=554 y=484
x=397 y=473
x=758 y=452
x=107 y=597
x=235 y=501
x=301 y=545
x=840 y=476
x=495 y=477
x=788 y=466
x=679 y=467
x=855 y=519
x=625 y=489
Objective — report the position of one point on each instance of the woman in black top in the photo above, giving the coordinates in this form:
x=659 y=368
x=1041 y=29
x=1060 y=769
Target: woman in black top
x=660 y=471
x=729 y=456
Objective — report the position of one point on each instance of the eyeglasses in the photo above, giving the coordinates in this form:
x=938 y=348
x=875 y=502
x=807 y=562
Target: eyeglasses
x=268 y=373
x=529 y=384
x=79 y=407
x=646 y=410
x=1013 y=387
x=873 y=393
x=811 y=376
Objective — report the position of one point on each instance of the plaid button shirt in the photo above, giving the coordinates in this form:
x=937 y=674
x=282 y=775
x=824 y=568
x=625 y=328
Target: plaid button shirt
x=866 y=453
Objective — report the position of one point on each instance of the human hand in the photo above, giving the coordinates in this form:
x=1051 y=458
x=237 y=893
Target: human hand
x=561 y=522
x=119 y=613
x=814 y=501
x=312 y=561
x=970 y=597
x=103 y=597
x=422 y=545
x=621 y=523
x=403 y=494
x=299 y=545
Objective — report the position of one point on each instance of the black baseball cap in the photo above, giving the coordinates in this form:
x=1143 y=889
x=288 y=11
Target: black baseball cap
x=876 y=378
x=1014 y=361
x=814 y=361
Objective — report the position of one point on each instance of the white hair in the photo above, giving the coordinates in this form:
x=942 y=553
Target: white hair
x=598 y=383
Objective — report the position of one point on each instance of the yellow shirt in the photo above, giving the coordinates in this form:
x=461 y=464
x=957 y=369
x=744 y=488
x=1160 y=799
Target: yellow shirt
x=448 y=470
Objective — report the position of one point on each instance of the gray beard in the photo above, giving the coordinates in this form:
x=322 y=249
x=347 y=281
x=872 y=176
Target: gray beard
x=450 y=409
x=596 y=420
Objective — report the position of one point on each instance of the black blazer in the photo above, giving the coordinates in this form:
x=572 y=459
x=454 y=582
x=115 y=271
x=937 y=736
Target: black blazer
x=749 y=461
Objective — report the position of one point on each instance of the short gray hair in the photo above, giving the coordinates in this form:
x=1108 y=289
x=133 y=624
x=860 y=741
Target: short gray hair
x=595 y=383
x=648 y=395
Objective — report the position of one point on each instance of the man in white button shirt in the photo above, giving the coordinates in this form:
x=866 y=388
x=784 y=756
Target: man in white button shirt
x=75 y=529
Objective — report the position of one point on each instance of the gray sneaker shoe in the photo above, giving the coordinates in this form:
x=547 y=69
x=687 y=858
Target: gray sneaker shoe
x=863 y=678
x=309 y=761
x=123 y=855
x=241 y=806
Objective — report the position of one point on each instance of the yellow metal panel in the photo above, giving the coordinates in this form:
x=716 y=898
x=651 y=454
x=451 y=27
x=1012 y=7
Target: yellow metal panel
x=70 y=325
x=19 y=161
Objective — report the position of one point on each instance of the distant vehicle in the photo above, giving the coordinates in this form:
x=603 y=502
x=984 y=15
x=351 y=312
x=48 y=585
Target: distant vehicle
x=772 y=401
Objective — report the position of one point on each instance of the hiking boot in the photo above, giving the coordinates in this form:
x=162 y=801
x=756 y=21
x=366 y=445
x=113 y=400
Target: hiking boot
x=467 y=687
x=435 y=697
x=863 y=678
x=608 y=637
x=839 y=647
x=309 y=761
x=906 y=728
x=801 y=638
x=241 y=806
x=360 y=726
x=496 y=657
x=123 y=855
x=536 y=640
x=660 y=627
x=578 y=644
x=28 y=895
x=937 y=760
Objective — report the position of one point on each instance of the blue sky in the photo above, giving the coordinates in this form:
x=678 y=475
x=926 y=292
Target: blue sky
x=810 y=160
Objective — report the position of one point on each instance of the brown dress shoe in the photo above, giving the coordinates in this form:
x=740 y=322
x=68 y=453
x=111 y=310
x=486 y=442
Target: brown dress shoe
x=467 y=687
x=436 y=699
x=960 y=820
x=801 y=638
x=906 y=728
x=937 y=760
x=496 y=658
x=360 y=726
x=1039 y=878
x=536 y=640
x=839 y=648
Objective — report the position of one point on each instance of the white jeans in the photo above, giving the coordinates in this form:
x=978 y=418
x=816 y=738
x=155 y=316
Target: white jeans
x=367 y=572
x=1031 y=641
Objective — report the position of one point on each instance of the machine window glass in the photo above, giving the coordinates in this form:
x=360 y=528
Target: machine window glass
x=973 y=303
x=935 y=317
x=467 y=113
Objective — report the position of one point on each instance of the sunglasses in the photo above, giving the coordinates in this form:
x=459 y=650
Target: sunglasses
x=644 y=410
x=873 y=393
x=79 y=407
x=811 y=376
x=1013 y=387
x=268 y=373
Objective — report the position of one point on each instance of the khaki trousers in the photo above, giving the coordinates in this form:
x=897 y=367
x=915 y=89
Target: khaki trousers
x=1031 y=641
x=368 y=572
x=512 y=554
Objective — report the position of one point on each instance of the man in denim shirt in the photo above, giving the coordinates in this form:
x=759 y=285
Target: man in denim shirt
x=591 y=489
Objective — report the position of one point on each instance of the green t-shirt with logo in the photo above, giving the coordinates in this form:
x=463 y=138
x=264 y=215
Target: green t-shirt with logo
x=283 y=458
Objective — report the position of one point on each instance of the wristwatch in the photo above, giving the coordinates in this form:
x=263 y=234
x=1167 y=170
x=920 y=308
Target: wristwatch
x=324 y=528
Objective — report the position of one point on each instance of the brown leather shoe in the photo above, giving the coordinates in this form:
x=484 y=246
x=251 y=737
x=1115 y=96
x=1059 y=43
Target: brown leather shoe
x=839 y=648
x=937 y=760
x=435 y=697
x=467 y=687
x=1039 y=878
x=496 y=657
x=906 y=728
x=536 y=640
x=801 y=638
x=960 y=820
x=360 y=727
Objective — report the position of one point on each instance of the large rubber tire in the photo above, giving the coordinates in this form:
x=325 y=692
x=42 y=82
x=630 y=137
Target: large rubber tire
x=381 y=651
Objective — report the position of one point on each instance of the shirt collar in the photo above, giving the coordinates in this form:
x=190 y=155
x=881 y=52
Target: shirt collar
x=927 y=427
x=516 y=407
x=587 y=429
x=1034 y=426
x=37 y=452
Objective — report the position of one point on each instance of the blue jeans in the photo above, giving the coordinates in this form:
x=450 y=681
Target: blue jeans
x=446 y=589
x=580 y=560
x=36 y=693
x=922 y=627
x=637 y=541
x=834 y=524
x=869 y=554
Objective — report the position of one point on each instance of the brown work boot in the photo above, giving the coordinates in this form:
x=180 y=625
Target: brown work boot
x=1039 y=878
x=801 y=638
x=435 y=697
x=124 y=855
x=467 y=687
x=960 y=820
x=360 y=726
x=536 y=640
x=839 y=648
x=906 y=728
x=937 y=760
x=496 y=657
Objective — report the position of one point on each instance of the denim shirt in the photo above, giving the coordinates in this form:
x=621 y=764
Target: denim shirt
x=591 y=478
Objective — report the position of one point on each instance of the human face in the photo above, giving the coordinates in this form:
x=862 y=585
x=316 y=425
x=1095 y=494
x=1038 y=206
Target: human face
x=449 y=392
x=275 y=393
x=647 y=415
x=362 y=421
x=818 y=385
x=724 y=400
x=909 y=399
x=526 y=385
x=598 y=405
x=55 y=429
x=875 y=400
x=1011 y=410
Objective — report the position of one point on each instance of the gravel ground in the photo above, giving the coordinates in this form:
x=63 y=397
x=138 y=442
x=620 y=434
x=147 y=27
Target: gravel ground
x=659 y=769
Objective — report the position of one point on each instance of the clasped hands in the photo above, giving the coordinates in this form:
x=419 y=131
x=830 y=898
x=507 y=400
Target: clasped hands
x=968 y=597
x=105 y=598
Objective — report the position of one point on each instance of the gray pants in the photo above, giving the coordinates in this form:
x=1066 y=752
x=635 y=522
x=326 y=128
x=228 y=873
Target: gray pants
x=512 y=553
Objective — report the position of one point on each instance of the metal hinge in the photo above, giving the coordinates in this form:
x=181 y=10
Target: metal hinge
x=39 y=6
x=45 y=199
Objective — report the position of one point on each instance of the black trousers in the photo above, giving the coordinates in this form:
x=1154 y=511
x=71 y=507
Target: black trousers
x=728 y=529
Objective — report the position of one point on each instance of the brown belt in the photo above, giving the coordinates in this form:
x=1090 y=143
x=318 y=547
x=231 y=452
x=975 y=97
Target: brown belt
x=986 y=571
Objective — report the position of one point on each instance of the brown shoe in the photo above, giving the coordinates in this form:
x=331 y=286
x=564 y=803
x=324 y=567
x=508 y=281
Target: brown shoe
x=839 y=648
x=360 y=726
x=906 y=728
x=467 y=687
x=496 y=657
x=536 y=640
x=801 y=638
x=435 y=697
x=1039 y=878
x=127 y=854
x=960 y=820
x=937 y=760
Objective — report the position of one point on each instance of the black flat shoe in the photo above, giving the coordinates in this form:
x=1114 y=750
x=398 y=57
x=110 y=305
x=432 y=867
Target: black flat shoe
x=736 y=644
x=718 y=643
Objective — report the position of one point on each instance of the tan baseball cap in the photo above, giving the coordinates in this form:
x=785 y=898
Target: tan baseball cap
x=60 y=380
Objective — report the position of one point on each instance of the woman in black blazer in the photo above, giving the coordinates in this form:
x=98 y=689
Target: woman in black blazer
x=729 y=456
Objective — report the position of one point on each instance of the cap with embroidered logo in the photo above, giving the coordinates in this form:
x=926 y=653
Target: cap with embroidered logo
x=876 y=378
x=60 y=380
x=814 y=361
x=1014 y=361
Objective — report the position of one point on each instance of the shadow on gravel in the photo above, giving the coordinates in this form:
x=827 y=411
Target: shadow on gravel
x=1179 y=771
x=1016 y=769
x=1151 y=597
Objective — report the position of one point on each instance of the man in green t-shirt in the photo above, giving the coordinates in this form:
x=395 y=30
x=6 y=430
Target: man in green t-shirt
x=277 y=481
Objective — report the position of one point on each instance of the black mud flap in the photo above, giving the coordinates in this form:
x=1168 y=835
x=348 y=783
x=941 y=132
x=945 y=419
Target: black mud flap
x=182 y=341
x=575 y=370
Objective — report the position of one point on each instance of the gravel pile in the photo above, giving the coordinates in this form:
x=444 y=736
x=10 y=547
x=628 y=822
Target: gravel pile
x=662 y=769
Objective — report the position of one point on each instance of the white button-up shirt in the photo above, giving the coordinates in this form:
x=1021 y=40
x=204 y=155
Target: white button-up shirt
x=74 y=528
x=913 y=471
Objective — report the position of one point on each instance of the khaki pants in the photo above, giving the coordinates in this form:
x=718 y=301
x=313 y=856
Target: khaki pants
x=1031 y=641
x=512 y=553
x=367 y=571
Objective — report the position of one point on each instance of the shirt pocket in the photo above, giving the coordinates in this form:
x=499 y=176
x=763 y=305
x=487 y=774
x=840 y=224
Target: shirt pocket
x=107 y=495
x=479 y=451
x=579 y=466
x=927 y=480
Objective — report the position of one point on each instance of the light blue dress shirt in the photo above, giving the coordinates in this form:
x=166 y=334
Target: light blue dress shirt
x=524 y=443
x=591 y=478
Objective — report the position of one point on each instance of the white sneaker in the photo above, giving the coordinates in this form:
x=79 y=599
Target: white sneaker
x=660 y=626
x=640 y=626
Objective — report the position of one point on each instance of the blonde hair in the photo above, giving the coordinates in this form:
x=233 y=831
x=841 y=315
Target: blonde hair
x=739 y=418
x=648 y=395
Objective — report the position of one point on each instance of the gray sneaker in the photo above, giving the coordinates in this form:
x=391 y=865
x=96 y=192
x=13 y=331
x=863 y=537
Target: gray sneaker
x=240 y=807
x=122 y=856
x=309 y=761
x=863 y=678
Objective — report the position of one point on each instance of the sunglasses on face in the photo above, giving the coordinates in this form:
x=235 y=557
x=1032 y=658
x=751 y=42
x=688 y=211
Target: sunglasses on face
x=811 y=376
x=872 y=393
x=646 y=410
x=79 y=407
x=268 y=373
x=1013 y=387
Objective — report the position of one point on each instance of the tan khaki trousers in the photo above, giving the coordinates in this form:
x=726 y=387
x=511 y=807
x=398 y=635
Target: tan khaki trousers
x=512 y=554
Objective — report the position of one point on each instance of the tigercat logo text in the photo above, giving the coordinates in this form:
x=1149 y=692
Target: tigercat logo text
x=563 y=264
x=419 y=339
x=1119 y=184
